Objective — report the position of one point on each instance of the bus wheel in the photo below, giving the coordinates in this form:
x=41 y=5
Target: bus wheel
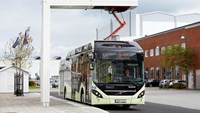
x=82 y=97
x=64 y=93
x=126 y=106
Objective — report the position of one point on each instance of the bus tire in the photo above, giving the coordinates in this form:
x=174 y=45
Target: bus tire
x=64 y=96
x=82 y=97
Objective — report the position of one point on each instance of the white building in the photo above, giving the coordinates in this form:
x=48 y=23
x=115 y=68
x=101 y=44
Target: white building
x=35 y=67
x=7 y=73
x=139 y=25
x=7 y=79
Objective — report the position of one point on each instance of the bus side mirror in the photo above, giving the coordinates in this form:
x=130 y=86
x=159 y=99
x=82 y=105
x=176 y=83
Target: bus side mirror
x=91 y=66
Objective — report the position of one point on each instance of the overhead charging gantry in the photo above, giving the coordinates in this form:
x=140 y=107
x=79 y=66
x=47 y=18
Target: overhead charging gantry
x=112 y=11
x=112 y=6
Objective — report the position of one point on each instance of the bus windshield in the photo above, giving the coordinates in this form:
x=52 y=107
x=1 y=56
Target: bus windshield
x=114 y=70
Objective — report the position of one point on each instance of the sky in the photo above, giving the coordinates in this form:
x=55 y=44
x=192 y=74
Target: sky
x=71 y=28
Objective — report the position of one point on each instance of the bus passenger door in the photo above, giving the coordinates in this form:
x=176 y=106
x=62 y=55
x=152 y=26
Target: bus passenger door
x=89 y=82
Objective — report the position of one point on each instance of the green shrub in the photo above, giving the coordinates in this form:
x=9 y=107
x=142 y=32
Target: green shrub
x=32 y=83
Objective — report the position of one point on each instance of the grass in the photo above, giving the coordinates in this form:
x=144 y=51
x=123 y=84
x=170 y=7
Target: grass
x=34 y=87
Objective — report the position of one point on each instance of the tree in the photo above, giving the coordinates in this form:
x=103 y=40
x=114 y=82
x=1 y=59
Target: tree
x=176 y=55
x=18 y=52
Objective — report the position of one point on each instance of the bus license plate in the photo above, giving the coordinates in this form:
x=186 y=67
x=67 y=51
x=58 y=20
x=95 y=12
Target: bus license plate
x=120 y=100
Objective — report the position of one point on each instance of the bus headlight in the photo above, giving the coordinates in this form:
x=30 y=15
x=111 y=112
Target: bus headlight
x=141 y=94
x=97 y=93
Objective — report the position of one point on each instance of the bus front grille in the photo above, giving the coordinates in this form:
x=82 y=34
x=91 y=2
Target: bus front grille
x=120 y=92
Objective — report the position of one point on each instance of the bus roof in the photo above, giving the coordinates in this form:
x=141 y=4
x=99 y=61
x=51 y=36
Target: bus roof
x=105 y=43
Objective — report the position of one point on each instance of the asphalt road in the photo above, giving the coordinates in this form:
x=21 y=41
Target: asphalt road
x=147 y=108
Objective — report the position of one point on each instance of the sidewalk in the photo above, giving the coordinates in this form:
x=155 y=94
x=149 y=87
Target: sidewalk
x=30 y=103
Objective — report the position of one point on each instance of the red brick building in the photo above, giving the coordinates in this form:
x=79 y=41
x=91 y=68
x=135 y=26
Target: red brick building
x=152 y=45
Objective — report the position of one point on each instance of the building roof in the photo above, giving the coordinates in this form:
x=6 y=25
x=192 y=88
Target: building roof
x=156 y=12
x=171 y=30
x=169 y=14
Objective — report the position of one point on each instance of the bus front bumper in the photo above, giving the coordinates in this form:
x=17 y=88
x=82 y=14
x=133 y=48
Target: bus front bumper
x=117 y=100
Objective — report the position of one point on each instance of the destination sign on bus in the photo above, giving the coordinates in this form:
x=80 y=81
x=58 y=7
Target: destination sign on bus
x=119 y=56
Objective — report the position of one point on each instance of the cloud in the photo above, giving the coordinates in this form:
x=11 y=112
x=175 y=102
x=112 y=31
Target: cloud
x=68 y=27
x=71 y=28
x=74 y=27
x=170 y=6
x=61 y=50
x=183 y=11
x=16 y=16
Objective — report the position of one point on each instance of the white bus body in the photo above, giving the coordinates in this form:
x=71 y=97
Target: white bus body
x=94 y=74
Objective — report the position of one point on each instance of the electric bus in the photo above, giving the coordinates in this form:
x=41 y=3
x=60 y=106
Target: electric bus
x=96 y=74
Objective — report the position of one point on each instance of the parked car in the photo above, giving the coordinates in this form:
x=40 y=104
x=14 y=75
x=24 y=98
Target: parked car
x=55 y=84
x=180 y=81
x=153 y=83
x=170 y=83
x=37 y=82
x=164 y=83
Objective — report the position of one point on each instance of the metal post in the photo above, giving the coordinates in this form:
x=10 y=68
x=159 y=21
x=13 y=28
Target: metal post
x=130 y=24
x=143 y=71
x=45 y=54
x=141 y=25
x=175 y=22
x=111 y=26
x=97 y=34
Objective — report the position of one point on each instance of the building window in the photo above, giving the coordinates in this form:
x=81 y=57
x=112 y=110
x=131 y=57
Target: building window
x=183 y=45
x=157 y=72
x=152 y=72
x=163 y=73
x=146 y=53
x=176 y=72
x=157 y=51
x=169 y=73
x=146 y=73
x=151 y=52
